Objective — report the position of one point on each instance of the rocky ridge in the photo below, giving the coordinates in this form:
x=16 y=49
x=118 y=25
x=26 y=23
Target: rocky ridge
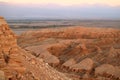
x=79 y=52
x=17 y=64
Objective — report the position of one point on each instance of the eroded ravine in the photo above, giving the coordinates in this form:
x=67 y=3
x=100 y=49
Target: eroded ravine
x=77 y=51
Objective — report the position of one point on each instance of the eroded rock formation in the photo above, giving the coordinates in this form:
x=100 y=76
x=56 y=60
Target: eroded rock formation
x=17 y=64
x=109 y=71
x=78 y=51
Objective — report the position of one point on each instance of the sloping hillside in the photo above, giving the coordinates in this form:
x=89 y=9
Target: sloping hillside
x=17 y=64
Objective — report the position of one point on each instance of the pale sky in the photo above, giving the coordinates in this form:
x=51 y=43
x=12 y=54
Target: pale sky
x=66 y=2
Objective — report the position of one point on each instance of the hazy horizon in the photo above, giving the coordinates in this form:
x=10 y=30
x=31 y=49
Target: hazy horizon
x=56 y=9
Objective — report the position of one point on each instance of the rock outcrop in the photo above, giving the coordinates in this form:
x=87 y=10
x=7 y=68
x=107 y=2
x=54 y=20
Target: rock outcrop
x=17 y=64
x=41 y=52
x=76 y=51
x=109 y=71
x=85 y=65
x=69 y=63
x=9 y=53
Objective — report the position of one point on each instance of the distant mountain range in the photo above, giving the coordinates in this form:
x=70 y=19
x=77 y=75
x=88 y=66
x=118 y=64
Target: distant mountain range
x=51 y=11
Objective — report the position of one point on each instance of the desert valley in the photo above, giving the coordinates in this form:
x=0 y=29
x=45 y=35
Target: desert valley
x=64 y=53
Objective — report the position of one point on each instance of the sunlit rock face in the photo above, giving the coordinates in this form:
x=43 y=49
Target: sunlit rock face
x=10 y=62
x=7 y=37
x=8 y=44
x=17 y=64
x=79 y=52
x=109 y=71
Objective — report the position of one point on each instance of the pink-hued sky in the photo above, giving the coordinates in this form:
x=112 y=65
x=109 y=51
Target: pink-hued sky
x=61 y=9
x=66 y=2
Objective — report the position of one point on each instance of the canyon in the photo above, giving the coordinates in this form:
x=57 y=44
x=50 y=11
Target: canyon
x=69 y=53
